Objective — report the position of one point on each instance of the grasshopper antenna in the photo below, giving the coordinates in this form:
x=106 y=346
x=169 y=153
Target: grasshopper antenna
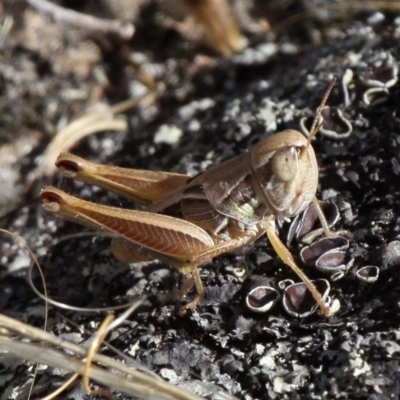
x=316 y=126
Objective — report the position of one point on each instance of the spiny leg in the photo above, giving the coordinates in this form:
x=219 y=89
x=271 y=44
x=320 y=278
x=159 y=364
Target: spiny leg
x=193 y=275
x=324 y=223
x=186 y=286
x=287 y=258
x=192 y=279
x=127 y=252
x=322 y=218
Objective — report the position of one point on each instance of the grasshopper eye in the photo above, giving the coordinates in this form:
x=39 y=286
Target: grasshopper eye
x=285 y=164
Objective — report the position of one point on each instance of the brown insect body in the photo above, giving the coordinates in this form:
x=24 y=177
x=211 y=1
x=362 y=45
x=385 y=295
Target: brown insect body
x=276 y=178
x=192 y=220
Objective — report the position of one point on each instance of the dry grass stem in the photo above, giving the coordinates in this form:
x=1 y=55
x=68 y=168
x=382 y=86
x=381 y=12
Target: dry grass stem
x=87 y=125
x=124 y=30
x=52 y=351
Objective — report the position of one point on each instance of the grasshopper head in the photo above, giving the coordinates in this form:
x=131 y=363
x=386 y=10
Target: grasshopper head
x=285 y=171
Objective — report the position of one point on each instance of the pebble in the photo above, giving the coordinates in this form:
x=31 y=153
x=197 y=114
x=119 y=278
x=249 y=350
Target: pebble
x=392 y=253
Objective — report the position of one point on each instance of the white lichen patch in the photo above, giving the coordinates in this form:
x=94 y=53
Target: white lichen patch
x=170 y=375
x=358 y=365
x=267 y=115
x=168 y=134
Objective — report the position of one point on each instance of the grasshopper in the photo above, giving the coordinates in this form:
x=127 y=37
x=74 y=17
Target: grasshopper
x=190 y=220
